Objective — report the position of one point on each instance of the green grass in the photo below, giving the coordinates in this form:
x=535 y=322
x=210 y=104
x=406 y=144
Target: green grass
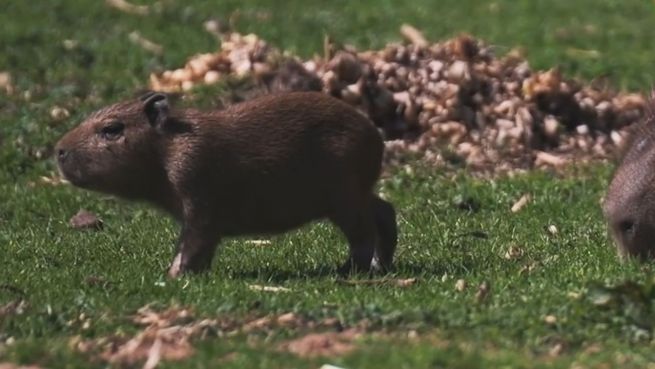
x=51 y=264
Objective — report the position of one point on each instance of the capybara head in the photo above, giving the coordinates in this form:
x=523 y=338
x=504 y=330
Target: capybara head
x=629 y=206
x=115 y=150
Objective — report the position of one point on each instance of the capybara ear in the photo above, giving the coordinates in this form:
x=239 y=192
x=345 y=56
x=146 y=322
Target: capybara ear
x=156 y=108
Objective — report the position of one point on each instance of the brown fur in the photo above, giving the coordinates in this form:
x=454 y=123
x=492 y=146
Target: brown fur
x=260 y=167
x=629 y=205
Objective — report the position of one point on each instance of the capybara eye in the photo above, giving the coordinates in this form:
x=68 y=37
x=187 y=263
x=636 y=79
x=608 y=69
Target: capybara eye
x=112 y=131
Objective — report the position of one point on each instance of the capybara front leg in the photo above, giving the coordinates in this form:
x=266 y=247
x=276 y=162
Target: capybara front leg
x=195 y=251
x=361 y=234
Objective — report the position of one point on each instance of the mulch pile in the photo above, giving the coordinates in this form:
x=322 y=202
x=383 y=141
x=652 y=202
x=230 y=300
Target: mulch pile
x=449 y=103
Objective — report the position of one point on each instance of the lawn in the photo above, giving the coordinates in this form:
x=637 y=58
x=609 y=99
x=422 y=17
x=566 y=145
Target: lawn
x=548 y=272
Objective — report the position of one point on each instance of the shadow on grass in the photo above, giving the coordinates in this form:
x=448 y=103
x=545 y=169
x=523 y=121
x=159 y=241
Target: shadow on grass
x=402 y=269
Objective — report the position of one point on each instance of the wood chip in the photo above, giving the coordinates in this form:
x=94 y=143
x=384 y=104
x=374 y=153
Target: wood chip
x=59 y=114
x=552 y=230
x=5 y=83
x=53 y=180
x=405 y=282
x=288 y=319
x=556 y=350
x=257 y=287
x=259 y=242
x=521 y=203
x=146 y=44
x=413 y=35
x=258 y=324
x=550 y=319
x=129 y=8
x=545 y=158
x=383 y=281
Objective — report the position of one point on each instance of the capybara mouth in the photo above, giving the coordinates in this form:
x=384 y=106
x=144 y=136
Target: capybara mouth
x=72 y=175
x=639 y=252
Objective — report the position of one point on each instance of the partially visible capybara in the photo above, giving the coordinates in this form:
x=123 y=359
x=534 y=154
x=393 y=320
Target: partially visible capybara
x=263 y=166
x=629 y=205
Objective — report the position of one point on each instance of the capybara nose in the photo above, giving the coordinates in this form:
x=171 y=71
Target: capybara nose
x=626 y=228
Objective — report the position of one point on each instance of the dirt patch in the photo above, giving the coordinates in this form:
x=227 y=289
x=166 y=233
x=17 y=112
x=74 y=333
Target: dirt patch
x=328 y=344
x=167 y=335
x=15 y=366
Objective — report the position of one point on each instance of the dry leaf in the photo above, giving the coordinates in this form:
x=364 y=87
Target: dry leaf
x=15 y=307
x=85 y=220
x=167 y=336
x=528 y=268
x=513 y=252
x=484 y=289
x=174 y=344
x=169 y=317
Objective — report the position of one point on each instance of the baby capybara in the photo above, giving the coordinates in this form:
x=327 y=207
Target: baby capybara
x=629 y=205
x=264 y=166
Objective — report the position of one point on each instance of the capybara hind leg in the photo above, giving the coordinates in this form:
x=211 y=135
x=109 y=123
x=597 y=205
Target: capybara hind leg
x=361 y=234
x=385 y=221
